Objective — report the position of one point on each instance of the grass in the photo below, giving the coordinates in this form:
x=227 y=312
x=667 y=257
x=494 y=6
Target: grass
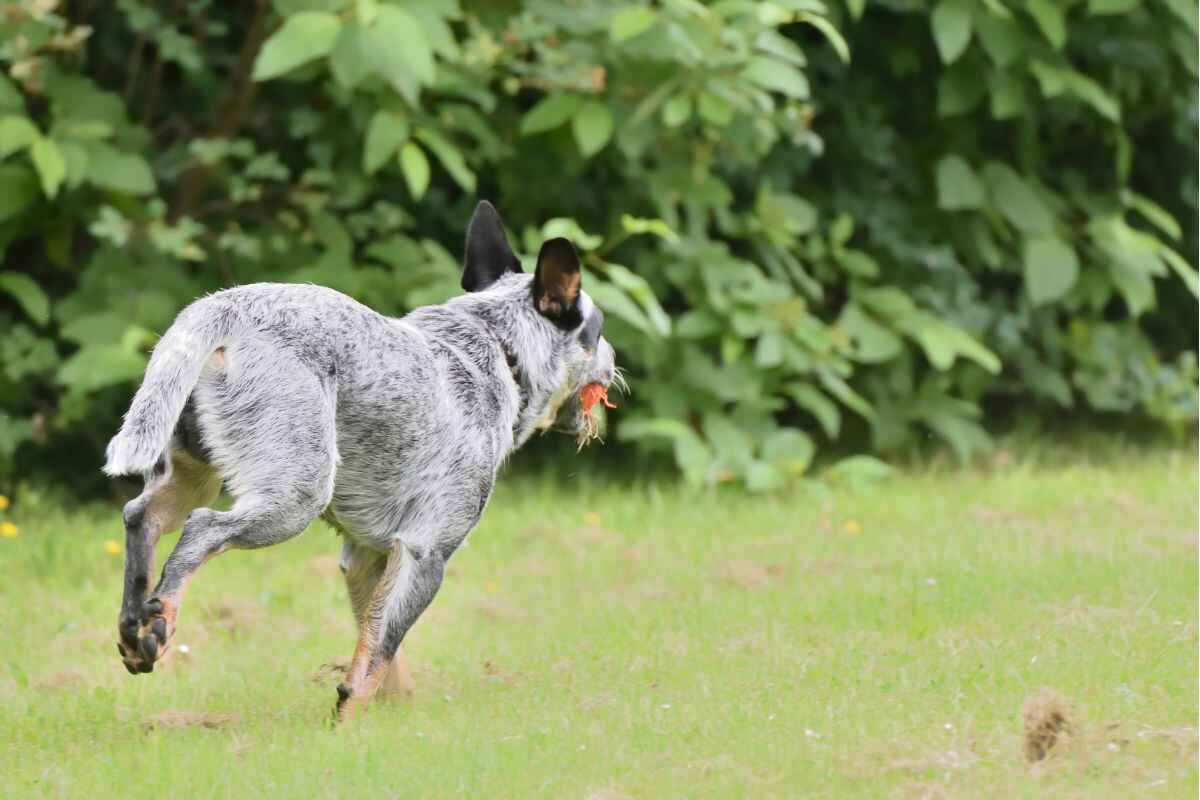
x=597 y=641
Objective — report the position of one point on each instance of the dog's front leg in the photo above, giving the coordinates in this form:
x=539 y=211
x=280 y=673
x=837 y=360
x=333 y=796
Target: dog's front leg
x=409 y=582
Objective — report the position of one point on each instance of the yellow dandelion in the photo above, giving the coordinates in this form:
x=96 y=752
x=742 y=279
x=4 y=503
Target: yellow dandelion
x=9 y=530
x=490 y=587
x=112 y=547
x=591 y=518
x=852 y=527
x=3 y=502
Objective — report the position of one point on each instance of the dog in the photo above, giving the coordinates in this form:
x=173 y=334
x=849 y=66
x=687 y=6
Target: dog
x=303 y=403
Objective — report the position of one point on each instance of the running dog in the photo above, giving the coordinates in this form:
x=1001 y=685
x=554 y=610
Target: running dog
x=301 y=402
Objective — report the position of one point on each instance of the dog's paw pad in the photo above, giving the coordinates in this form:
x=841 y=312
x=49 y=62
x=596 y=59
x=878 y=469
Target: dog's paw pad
x=144 y=638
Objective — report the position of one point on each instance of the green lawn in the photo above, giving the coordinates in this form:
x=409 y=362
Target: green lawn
x=597 y=641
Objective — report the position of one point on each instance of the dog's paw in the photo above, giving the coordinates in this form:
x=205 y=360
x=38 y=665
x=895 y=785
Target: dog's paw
x=143 y=639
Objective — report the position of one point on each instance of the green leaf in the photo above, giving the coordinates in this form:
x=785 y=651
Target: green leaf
x=715 y=109
x=1002 y=38
x=829 y=32
x=769 y=350
x=1101 y=7
x=10 y=97
x=118 y=171
x=593 y=127
x=637 y=288
x=677 y=110
x=1048 y=14
x=415 y=167
x=944 y=342
x=550 y=112
x=654 y=427
x=838 y=387
x=618 y=305
x=762 y=477
x=731 y=443
x=1054 y=80
x=348 y=60
x=959 y=90
x=18 y=189
x=50 y=164
x=28 y=294
x=16 y=133
x=1158 y=216
x=873 y=343
x=630 y=22
x=783 y=48
x=1008 y=96
x=77 y=163
x=99 y=366
x=817 y=404
x=385 y=133
x=449 y=156
x=858 y=472
x=776 y=76
x=398 y=51
x=1186 y=272
x=1135 y=285
x=654 y=227
x=1016 y=200
x=568 y=229
x=958 y=187
x=790 y=450
x=1051 y=268
x=951 y=22
x=303 y=37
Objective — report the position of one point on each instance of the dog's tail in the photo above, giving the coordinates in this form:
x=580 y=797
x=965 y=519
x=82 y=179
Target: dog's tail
x=174 y=369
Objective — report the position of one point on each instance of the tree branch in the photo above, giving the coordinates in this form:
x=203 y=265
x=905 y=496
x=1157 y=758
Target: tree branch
x=230 y=112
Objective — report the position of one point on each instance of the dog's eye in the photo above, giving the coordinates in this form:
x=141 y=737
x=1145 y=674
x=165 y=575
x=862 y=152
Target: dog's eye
x=590 y=334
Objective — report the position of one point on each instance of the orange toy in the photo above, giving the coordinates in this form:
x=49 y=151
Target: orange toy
x=594 y=393
x=589 y=396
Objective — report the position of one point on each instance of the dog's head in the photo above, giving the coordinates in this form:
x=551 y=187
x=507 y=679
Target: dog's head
x=549 y=326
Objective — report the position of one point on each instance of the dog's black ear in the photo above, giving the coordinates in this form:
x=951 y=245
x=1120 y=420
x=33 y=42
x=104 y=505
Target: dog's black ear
x=556 y=283
x=488 y=255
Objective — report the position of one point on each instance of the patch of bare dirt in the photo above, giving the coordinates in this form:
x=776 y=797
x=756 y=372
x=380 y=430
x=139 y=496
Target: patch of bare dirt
x=237 y=616
x=750 y=574
x=1046 y=722
x=499 y=675
x=1182 y=740
x=61 y=681
x=330 y=670
x=165 y=720
x=498 y=610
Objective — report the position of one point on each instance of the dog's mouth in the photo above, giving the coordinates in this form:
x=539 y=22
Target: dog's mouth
x=580 y=417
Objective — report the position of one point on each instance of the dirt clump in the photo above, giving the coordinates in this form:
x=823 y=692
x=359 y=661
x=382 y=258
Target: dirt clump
x=1046 y=720
x=188 y=719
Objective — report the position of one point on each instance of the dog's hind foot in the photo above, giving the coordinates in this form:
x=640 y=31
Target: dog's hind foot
x=144 y=638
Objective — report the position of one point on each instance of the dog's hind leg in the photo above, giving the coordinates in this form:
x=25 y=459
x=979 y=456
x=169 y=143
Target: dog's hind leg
x=409 y=580
x=362 y=569
x=273 y=437
x=180 y=483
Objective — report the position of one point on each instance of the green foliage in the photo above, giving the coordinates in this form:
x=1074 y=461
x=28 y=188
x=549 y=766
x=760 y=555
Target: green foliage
x=803 y=239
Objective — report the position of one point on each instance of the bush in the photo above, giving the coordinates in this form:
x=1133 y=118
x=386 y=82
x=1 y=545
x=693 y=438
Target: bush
x=809 y=224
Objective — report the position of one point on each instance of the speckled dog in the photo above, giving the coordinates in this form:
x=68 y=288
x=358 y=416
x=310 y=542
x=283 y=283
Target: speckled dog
x=302 y=402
